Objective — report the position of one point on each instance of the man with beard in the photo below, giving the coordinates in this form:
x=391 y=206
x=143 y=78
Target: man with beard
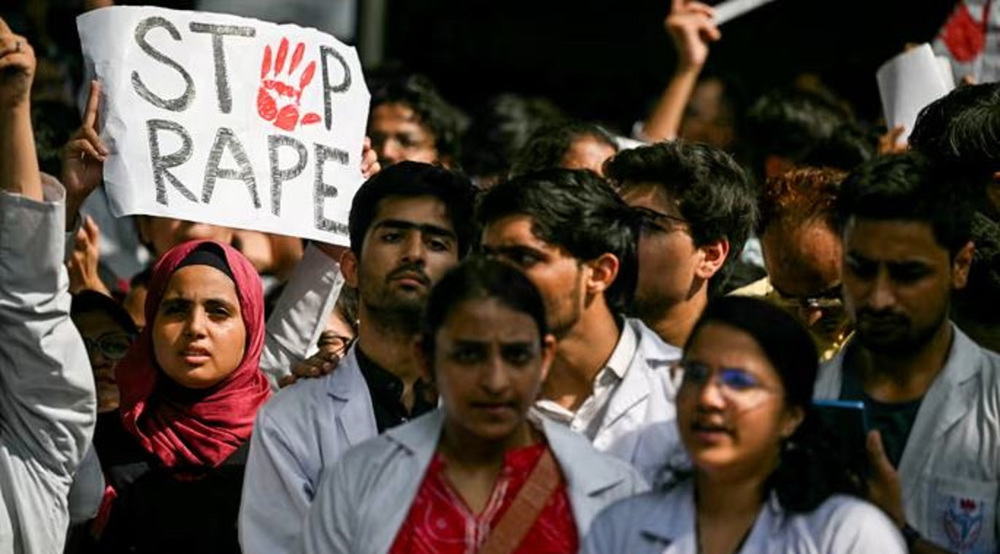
x=696 y=210
x=574 y=239
x=408 y=225
x=930 y=393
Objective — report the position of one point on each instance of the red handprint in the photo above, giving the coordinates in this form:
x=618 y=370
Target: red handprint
x=287 y=117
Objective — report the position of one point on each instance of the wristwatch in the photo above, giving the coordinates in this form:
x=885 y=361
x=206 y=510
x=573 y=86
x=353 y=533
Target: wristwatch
x=910 y=535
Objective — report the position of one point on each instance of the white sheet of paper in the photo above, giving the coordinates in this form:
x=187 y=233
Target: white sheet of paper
x=908 y=83
x=228 y=120
x=731 y=9
x=946 y=72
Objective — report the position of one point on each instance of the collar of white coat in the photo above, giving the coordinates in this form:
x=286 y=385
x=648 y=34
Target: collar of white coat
x=673 y=518
x=962 y=364
x=583 y=467
x=648 y=350
x=340 y=384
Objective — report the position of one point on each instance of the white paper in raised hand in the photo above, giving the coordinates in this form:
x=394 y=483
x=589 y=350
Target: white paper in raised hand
x=731 y=9
x=908 y=83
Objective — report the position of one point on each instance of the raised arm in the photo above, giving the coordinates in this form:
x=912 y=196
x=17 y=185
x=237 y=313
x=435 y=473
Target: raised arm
x=18 y=161
x=691 y=29
x=47 y=400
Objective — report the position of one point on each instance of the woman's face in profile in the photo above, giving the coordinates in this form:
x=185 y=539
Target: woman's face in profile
x=198 y=335
x=731 y=410
x=489 y=365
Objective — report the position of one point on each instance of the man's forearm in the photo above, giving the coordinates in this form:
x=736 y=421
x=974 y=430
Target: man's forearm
x=664 y=121
x=19 y=172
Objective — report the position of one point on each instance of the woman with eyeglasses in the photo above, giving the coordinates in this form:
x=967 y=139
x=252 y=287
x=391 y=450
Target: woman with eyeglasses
x=762 y=476
x=475 y=475
x=190 y=388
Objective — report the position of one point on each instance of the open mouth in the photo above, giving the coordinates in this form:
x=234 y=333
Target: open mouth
x=710 y=432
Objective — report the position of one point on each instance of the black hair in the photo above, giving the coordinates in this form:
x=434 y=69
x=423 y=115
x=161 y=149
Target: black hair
x=962 y=128
x=411 y=179
x=549 y=144
x=501 y=130
x=789 y=123
x=476 y=278
x=909 y=187
x=446 y=122
x=811 y=467
x=89 y=301
x=849 y=146
x=575 y=210
x=962 y=131
x=977 y=301
x=713 y=192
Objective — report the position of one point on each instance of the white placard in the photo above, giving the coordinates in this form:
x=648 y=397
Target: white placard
x=228 y=120
x=908 y=83
x=731 y=9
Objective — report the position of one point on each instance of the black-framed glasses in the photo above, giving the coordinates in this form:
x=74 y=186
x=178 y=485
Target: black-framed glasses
x=655 y=220
x=114 y=344
x=331 y=341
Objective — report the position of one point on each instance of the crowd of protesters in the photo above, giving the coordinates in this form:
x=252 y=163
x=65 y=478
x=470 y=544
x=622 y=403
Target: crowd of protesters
x=542 y=337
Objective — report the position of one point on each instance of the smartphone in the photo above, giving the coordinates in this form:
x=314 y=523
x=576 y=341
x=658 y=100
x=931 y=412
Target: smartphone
x=846 y=425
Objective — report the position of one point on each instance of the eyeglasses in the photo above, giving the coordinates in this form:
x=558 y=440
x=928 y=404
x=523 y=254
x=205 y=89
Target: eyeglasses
x=113 y=345
x=653 y=220
x=739 y=387
x=332 y=342
x=824 y=300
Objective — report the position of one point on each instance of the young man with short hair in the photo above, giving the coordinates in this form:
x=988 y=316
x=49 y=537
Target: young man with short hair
x=697 y=210
x=574 y=238
x=930 y=393
x=408 y=225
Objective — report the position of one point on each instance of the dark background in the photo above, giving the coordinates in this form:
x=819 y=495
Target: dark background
x=606 y=59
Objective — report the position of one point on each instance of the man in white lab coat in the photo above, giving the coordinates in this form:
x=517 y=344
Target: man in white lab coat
x=575 y=239
x=408 y=225
x=931 y=394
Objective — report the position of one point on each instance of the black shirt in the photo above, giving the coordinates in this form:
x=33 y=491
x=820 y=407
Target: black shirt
x=387 y=389
x=893 y=421
x=159 y=510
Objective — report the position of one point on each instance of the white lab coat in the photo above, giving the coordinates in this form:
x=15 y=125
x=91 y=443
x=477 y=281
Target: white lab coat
x=299 y=433
x=663 y=522
x=301 y=314
x=639 y=424
x=47 y=399
x=364 y=501
x=950 y=467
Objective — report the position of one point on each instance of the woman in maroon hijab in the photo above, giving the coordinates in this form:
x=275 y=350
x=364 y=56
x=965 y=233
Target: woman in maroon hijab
x=190 y=388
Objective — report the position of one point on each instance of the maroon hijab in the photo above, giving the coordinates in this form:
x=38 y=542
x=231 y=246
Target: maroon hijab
x=194 y=427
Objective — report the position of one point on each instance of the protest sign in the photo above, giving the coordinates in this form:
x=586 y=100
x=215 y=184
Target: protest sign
x=908 y=82
x=228 y=120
